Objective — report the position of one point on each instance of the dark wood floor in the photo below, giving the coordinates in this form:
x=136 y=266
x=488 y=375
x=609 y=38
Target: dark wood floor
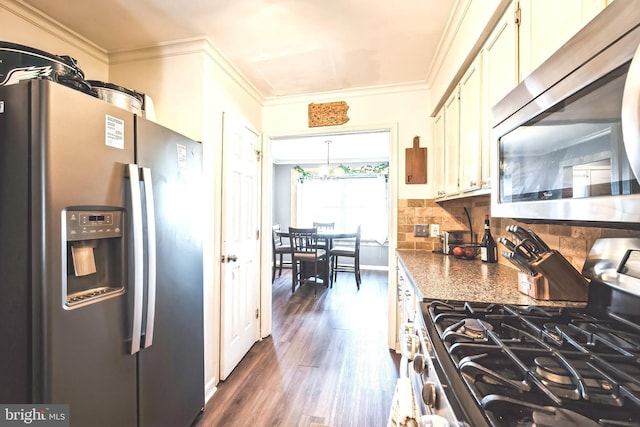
x=327 y=361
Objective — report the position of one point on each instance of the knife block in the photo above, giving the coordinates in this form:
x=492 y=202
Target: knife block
x=556 y=279
x=535 y=286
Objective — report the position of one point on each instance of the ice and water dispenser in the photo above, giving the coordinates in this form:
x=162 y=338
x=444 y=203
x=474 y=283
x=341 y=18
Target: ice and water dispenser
x=95 y=255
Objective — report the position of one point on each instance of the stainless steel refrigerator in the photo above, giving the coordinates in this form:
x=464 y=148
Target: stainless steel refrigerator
x=100 y=260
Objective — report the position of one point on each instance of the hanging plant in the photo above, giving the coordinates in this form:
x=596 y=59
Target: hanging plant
x=303 y=173
x=381 y=169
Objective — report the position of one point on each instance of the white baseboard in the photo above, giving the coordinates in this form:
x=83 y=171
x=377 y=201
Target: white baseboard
x=209 y=390
x=375 y=267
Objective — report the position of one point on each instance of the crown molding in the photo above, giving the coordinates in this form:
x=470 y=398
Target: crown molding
x=452 y=29
x=39 y=20
x=348 y=93
x=190 y=46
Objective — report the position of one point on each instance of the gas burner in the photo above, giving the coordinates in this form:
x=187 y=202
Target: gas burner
x=474 y=328
x=551 y=370
x=549 y=417
x=512 y=411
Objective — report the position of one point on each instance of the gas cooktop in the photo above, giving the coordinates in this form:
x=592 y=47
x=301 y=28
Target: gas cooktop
x=538 y=366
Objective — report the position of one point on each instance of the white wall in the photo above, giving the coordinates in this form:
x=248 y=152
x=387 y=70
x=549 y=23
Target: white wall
x=405 y=107
x=23 y=25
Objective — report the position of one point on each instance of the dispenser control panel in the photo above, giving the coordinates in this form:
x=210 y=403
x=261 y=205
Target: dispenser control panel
x=93 y=266
x=83 y=225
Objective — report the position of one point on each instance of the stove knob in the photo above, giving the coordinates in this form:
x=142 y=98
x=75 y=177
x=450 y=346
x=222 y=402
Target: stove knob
x=412 y=345
x=429 y=394
x=409 y=423
x=426 y=340
x=420 y=365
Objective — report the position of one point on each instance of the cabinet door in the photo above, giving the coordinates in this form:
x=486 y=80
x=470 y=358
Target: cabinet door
x=548 y=24
x=407 y=302
x=438 y=155
x=452 y=144
x=470 y=127
x=499 y=76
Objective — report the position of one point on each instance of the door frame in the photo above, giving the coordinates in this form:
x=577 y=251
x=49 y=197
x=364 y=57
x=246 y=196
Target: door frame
x=267 y=210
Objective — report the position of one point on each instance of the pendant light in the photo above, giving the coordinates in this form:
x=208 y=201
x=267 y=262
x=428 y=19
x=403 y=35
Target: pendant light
x=325 y=170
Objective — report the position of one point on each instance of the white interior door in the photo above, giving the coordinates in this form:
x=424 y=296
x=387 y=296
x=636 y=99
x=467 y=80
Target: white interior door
x=240 y=243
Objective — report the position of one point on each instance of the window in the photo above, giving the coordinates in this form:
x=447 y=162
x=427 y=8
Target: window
x=348 y=201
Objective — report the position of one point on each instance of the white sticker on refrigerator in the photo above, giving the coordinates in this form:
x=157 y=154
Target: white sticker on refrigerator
x=114 y=132
x=182 y=155
x=1 y=106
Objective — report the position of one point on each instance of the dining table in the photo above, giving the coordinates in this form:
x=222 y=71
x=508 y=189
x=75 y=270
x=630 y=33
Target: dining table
x=328 y=236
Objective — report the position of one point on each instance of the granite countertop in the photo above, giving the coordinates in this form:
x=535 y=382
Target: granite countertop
x=438 y=276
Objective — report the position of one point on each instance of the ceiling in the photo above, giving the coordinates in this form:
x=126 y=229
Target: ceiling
x=283 y=47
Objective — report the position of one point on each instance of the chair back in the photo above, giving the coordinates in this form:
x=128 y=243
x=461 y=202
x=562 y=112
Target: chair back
x=350 y=243
x=276 y=239
x=324 y=225
x=304 y=240
x=358 y=233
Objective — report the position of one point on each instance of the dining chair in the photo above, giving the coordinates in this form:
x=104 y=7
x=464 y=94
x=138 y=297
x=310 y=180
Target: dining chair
x=324 y=226
x=306 y=258
x=347 y=248
x=278 y=248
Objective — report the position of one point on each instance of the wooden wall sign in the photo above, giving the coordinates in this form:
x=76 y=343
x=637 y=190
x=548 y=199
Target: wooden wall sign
x=416 y=163
x=328 y=114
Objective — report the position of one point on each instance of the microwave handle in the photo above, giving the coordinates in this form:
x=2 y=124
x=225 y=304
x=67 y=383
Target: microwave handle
x=631 y=115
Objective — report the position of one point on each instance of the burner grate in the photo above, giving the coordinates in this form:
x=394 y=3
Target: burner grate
x=565 y=361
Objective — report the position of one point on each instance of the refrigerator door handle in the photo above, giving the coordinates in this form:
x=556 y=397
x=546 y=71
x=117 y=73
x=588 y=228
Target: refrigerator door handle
x=138 y=257
x=151 y=257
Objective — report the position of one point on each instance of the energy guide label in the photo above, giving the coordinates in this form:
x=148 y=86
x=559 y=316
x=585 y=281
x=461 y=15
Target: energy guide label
x=182 y=155
x=114 y=132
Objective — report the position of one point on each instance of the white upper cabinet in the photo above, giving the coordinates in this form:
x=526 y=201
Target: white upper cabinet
x=471 y=132
x=499 y=76
x=548 y=24
x=452 y=144
x=528 y=32
x=438 y=155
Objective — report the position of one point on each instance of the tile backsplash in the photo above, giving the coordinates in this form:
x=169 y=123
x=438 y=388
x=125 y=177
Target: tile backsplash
x=573 y=242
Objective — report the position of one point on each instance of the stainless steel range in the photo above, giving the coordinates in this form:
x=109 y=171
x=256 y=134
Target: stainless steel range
x=505 y=365
x=419 y=399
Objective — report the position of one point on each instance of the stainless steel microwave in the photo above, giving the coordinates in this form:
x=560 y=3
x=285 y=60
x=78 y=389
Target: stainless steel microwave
x=566 y=139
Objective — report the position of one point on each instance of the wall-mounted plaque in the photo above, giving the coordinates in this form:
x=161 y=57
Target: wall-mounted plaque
x=328 y=114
